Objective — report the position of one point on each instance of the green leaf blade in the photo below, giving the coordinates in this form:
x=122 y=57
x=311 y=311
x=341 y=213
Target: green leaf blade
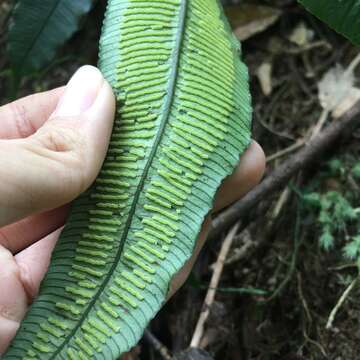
x=343 y=16
x=38 y=28
x=183 y=120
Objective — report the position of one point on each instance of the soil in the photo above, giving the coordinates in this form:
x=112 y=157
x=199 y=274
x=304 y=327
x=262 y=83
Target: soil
x=276 y=299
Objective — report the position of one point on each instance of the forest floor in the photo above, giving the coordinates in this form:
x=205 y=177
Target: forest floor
x=279 y=284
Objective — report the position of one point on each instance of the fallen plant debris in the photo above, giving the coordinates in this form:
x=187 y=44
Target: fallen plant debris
x=248 y=19
x=283 y=173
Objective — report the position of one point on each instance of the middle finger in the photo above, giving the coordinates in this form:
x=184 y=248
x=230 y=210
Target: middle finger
x=18 y=236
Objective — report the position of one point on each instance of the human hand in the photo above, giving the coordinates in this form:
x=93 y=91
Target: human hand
x=52 y=146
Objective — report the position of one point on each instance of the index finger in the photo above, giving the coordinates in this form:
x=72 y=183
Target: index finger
x=23 y=117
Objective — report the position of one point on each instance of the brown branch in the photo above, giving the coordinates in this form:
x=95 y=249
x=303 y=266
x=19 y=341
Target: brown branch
x=282 y=174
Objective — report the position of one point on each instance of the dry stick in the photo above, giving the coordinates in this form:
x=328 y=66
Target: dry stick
x=279 y=205
x=353 y=65
x=283 y=173
x=210 y=296
x=340 y=303
x=286 y=151
x=308 y=315
x=313 y=133
x=320 y=124
x=309 y=47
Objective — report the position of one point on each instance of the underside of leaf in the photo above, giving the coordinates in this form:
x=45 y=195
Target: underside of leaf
x=183 y=121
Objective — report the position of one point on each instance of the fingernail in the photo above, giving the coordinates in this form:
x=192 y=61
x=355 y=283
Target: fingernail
x=81 y=92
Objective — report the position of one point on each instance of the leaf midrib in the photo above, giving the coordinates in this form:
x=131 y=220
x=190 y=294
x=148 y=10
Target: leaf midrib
x=165 y=117
x=31 y=46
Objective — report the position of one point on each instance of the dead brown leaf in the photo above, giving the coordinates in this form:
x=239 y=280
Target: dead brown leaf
x=250 y=19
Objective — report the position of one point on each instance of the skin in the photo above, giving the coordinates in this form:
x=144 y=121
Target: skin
x=47 y=158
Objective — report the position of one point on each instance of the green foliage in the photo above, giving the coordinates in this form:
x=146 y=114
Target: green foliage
x=336 y=167
x=337 y=212
x=352 y=249
x=185 y=119
x=356 y=171
x=38 y=28
x=334 y=213
x=342 y=15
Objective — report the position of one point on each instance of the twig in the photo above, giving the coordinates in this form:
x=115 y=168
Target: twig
x=309 y=318
x=270 y=108
x=234 y=290
x=301 y=142
x=294 y=257
x=279 y=205
x=283 y=173
x=285 y=151
x=298 y=144
x=308 y=47
x=343 y=267
x=340 y=303
x=313 y=133
x=157 y=345
x=210 y=296
x=302 y=298
x=320 y=124
x=315 y=343
x=353 y=65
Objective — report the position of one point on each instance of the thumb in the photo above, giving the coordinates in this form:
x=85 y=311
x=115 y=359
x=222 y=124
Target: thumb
x=62 y=159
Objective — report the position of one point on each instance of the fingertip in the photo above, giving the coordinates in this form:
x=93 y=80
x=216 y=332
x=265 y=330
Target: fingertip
x=102 y=111
x=246 y=176
x=98 y=125
x=63 y=158
x=80 y=93
x=252 y=164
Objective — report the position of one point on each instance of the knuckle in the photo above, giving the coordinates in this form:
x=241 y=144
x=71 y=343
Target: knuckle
x=60 y=138
x=23 y=126
x=67 y=147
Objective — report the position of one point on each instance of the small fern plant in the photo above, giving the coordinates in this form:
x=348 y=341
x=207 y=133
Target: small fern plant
x=338 y=212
